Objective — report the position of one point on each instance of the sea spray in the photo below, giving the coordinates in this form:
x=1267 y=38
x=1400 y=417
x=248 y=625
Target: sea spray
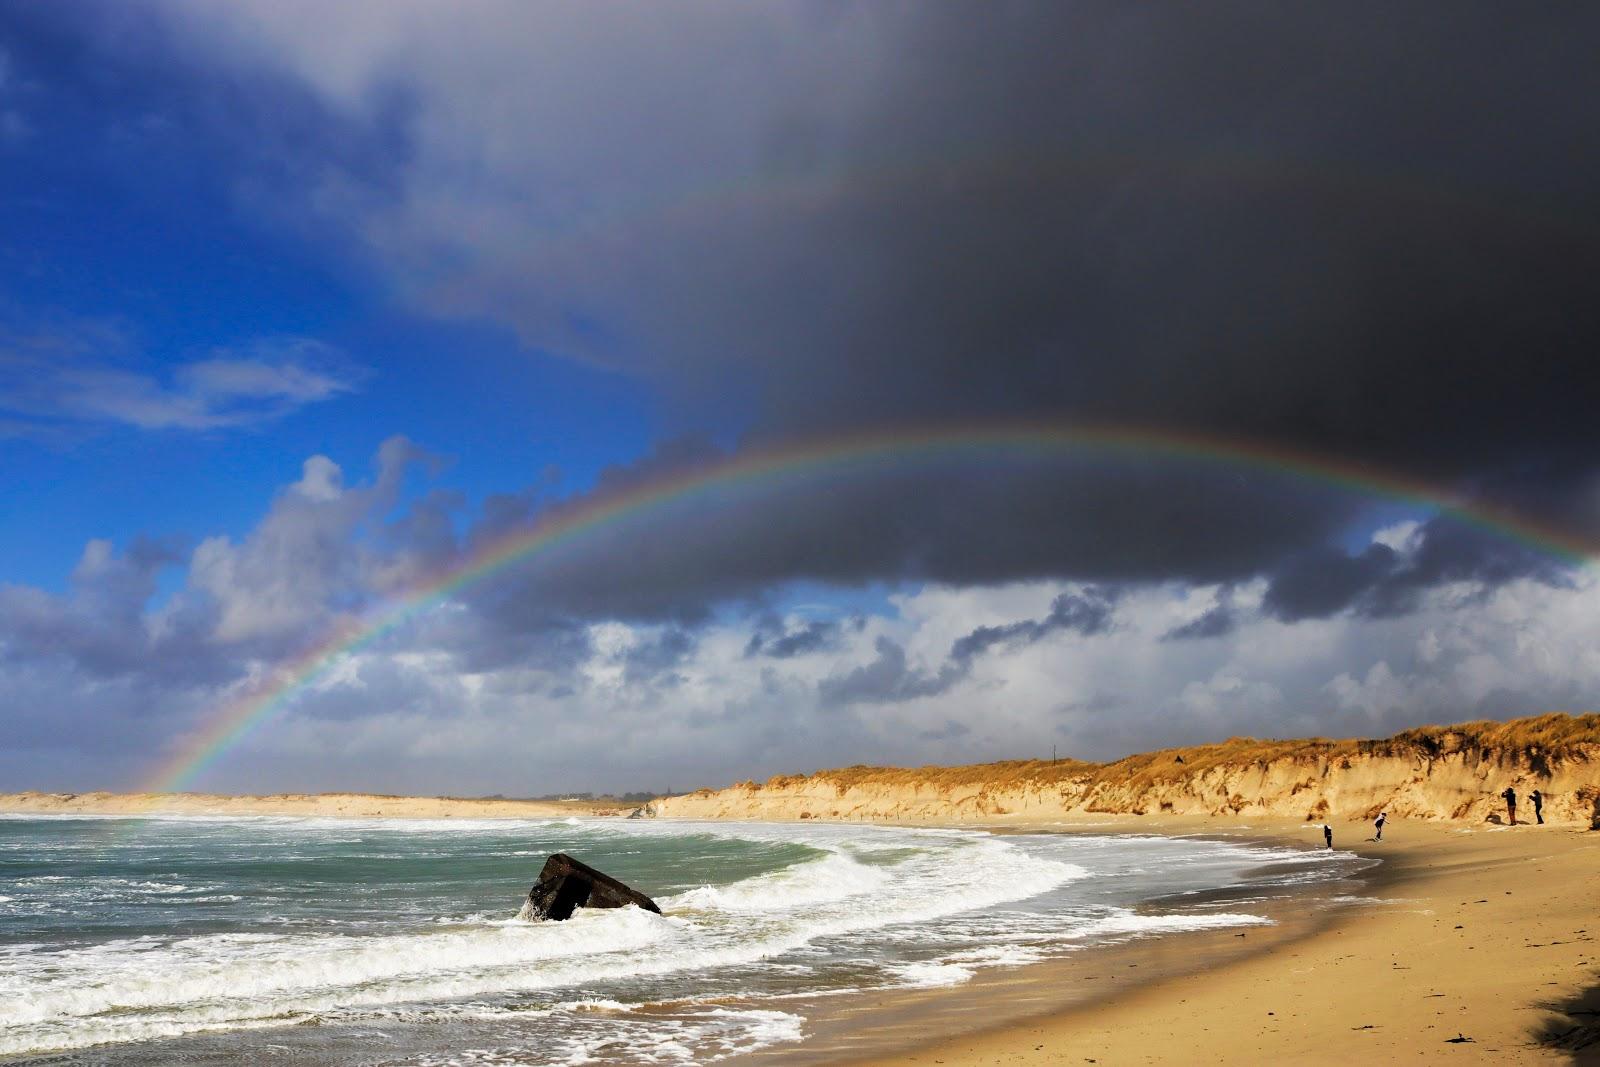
x=196 y=937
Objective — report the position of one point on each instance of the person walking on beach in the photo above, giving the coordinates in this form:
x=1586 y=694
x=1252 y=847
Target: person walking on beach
x=1538 y=805
x=1327 y=834
x=1383 y=817
x=1511 y=804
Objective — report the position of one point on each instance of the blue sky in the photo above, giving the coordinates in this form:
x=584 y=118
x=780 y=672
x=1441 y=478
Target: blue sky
x=125 y=234
x=297 y=305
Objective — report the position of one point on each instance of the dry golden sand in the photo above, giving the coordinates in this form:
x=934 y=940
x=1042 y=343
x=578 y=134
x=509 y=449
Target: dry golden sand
x=1484 y=947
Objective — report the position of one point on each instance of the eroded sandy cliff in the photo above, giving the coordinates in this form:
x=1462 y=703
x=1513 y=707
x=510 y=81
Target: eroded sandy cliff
x=1436 y=772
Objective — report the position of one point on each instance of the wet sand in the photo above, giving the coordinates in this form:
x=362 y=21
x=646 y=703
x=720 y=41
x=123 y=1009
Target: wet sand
x=880 y=1025
x=1482 y=945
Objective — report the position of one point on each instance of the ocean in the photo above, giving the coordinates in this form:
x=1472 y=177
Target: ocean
x=192 y=940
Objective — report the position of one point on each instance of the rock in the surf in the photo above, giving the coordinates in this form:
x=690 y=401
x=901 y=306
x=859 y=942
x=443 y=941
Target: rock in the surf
x=566 y=884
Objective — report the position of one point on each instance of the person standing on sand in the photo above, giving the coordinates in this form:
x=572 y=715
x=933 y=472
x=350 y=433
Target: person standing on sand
x=1327 y=834
x=1383 y=817
x=1511 y=804
x=1538 y=805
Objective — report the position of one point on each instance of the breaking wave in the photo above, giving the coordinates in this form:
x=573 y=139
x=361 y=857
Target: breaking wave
x=817 y=909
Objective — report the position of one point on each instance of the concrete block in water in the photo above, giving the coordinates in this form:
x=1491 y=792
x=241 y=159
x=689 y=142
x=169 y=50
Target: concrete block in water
x=565 y=884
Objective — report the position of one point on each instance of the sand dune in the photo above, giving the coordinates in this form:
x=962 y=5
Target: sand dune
x=1436 y=772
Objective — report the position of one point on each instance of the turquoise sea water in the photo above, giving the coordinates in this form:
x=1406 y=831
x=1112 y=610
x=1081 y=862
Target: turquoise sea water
x=333 y=941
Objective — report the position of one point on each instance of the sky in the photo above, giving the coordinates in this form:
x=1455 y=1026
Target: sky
x=912 y=383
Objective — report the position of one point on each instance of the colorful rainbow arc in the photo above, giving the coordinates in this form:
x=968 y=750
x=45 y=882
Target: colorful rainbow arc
x=271 y=694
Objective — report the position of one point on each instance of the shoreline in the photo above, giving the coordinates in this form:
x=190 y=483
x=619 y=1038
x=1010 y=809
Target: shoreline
x=1446 y=952
x=902 y=1025
x=1485 y=933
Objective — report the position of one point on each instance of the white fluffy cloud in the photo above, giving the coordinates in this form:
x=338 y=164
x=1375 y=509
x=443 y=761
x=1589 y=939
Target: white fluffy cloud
x=469 y=698
x=304 y=560
x=720 y=712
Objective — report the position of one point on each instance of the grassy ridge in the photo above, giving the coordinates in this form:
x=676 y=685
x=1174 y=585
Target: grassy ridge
x=1542 y=742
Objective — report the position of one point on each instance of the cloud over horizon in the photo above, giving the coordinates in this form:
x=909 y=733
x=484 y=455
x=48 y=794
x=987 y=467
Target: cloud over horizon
x=1095 y=669
x=541 y=261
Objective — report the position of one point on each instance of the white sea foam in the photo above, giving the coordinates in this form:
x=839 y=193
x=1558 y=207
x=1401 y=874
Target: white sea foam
x=861 y=901
x=930 y=974
x=691 y=1037
x=1129 y=923
x=158 y=888
x=142 y=988
x=959 y=967
x=998 y=956
x=829 y=877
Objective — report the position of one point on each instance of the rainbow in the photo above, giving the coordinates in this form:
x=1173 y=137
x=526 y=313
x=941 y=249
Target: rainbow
x=270 y=694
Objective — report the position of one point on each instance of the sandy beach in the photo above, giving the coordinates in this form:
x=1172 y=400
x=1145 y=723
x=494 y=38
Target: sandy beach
x=1479 y=941
x=1473 y=942
x=1480 y=946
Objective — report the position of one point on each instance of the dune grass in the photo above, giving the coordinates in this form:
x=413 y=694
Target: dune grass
x=1541 y=741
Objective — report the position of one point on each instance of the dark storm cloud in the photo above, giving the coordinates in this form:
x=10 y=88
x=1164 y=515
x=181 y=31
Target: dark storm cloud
x=654 y=661
x=1324 y=581
x=771 y=639
x=913 y=520
x=888 y=679
x=1217 y=622
x=1361 y=231
x=501 y=634
x=1381 y=581
x=1085 y=613
x=1452 y=551
x=1357 y=235
x=1338 y=228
